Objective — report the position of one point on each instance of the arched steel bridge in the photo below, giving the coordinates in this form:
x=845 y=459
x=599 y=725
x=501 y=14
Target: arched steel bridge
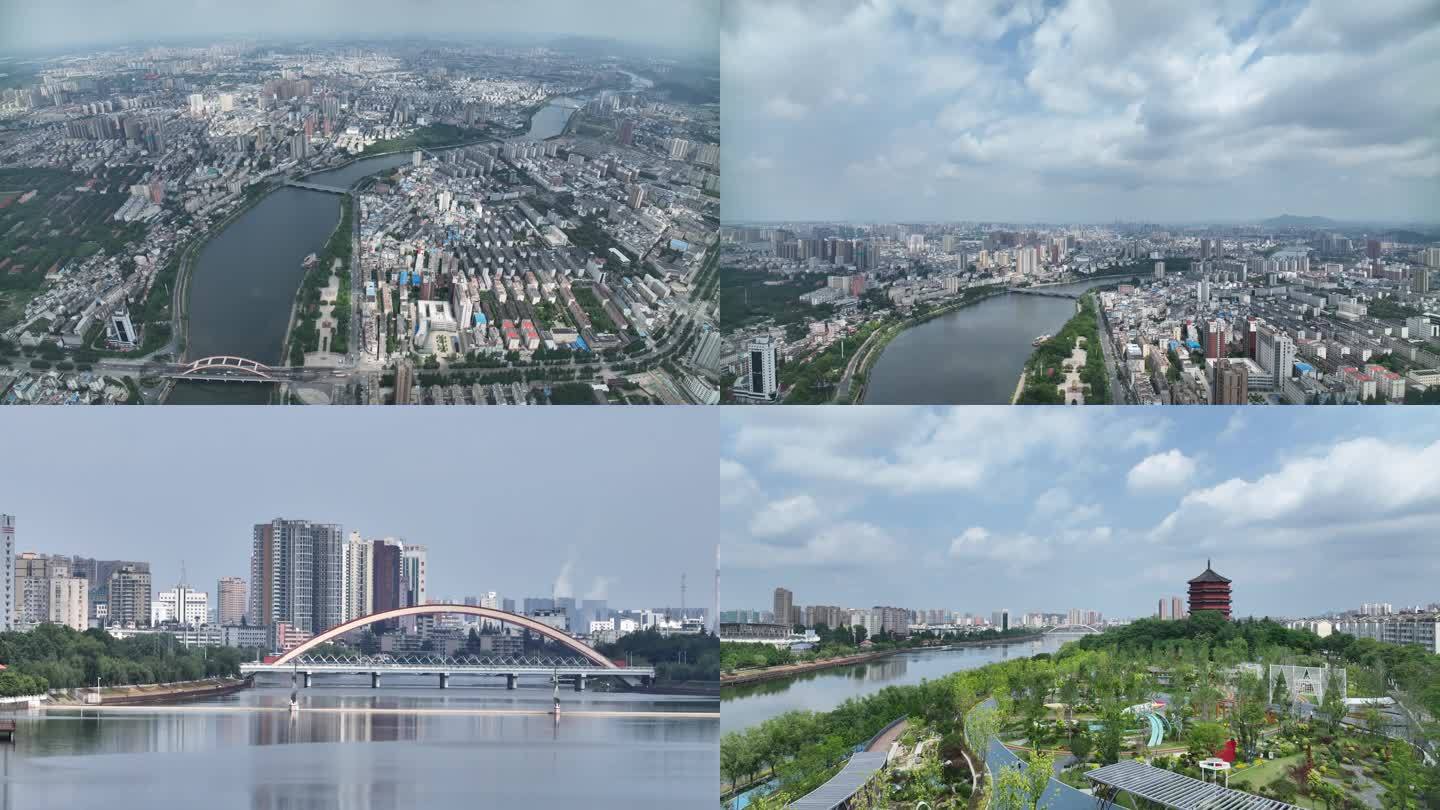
x=229 y=368
x=587 y=663
x=227 y=365
x=1072 y=629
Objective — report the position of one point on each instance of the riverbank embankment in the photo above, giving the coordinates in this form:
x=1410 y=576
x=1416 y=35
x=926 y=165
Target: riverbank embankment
x=152 y=693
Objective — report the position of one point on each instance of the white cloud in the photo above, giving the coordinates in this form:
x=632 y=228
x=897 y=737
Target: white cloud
x=1360 y=488
x=1023 y=550
x=782 y=107
x=785 y=516
x=737 y=486
x=1162 y=472
x=1096 y=104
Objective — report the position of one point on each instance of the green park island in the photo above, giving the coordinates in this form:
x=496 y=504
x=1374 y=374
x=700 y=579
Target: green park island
x=1263 y=707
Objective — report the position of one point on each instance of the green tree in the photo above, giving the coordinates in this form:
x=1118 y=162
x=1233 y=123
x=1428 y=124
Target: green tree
x=1404 y=774
x=1202 y=740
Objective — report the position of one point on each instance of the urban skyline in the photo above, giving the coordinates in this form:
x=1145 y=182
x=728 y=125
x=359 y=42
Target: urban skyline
x=685 y=25
x=517 y=542
x=1079 y=111
x=977 y=509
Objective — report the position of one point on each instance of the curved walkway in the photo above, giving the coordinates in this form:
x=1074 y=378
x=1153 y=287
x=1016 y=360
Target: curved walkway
x=882 y=741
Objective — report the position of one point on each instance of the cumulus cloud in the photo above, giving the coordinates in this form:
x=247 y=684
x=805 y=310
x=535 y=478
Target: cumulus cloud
x=785 y=516
x=1023 y=549
x=1161 y=472
x=1366 y=487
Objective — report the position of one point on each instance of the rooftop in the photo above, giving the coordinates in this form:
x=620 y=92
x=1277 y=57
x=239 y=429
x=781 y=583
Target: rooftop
x=1209 y=575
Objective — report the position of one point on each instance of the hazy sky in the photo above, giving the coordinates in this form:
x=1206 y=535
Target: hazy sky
x=978 y=508
x=687 y=24
x=618 y=501
x=1080 y=110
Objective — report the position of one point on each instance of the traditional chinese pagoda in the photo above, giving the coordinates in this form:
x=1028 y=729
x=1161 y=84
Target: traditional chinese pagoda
x=1210 y=591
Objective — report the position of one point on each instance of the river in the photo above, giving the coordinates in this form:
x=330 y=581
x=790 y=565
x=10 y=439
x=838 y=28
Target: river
x=245 y=278
x=231 y=757
x=550 y=120
x=972 y=356
x=746 y=706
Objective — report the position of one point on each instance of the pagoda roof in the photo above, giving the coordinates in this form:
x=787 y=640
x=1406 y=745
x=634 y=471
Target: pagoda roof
x=1209 y=575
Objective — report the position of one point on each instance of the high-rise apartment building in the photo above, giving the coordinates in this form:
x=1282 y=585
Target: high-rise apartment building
x=69 y=602
x=1232 y=382
x=296 y=575
x=1275 y=352
x=386 y=574
x=359 y=574
x=7 y=540
x=128 y=597
x=229 y=601
x=413 y=574
x=784 y=602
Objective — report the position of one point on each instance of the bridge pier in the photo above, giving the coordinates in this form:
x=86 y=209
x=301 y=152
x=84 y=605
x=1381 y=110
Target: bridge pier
x=510 y=681
x=579 y=683
x=444 y=680
x=374 y=680
x=307 y=679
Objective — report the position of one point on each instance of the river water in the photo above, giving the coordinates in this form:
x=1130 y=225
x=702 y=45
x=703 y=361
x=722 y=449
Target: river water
x=746 y=706
x=245 y=278
x=550 y=120
x=223 y=759
x=972 y=356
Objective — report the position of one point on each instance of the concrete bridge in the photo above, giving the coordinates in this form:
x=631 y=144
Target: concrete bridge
x=316 y=187
x=512 y=668
x=1044 y=292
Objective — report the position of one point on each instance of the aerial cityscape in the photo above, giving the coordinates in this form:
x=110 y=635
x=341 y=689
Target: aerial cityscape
x=507 y=219
x=1120 y=597
x=937 y=209
x=1080 y=203
x=549 y=643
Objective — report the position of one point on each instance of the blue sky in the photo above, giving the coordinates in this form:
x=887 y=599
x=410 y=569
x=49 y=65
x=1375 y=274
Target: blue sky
x=980 y=508
x=1079 y=110
x=513 y=500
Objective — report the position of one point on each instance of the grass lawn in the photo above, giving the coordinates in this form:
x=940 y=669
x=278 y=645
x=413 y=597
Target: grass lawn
x=1264 y=774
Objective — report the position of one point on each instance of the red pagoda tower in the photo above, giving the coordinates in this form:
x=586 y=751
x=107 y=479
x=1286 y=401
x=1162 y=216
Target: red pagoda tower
x=1210 y=591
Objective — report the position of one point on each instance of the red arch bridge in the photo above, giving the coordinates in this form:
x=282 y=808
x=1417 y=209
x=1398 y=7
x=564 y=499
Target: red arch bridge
x=582 y=663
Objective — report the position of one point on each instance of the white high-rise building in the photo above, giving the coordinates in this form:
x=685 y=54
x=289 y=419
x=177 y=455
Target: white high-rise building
x=7 y=539
x=1275 y=352
x=227 y=102
x=70 y=602
x=197 y=103
x=678 y=148
x=759 y=364
x=1026 y=261
x=359 y=564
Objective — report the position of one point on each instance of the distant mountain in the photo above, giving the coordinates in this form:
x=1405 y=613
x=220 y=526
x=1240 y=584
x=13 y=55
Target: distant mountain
x=1292 y=221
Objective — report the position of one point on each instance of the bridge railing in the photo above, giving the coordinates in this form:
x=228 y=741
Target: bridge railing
x=440 y=660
